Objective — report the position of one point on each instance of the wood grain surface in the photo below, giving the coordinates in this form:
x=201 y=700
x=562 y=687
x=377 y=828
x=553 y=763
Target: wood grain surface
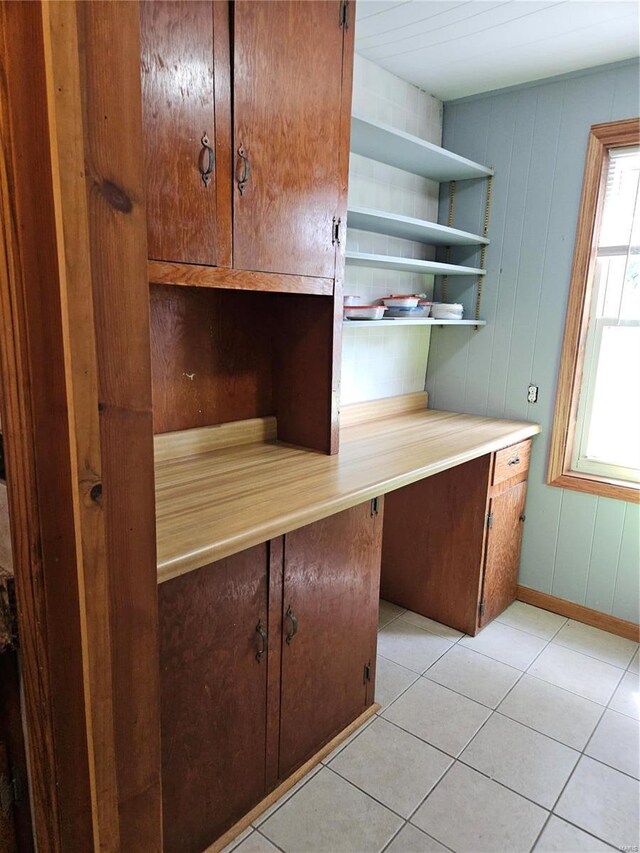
x=306 y=370
x=213 y=698
x=432 y=550
x=331 y=586
x=504 y=541
x=192 y=275
x=287 y=90
x=178 y=62
x=211 y=353
x=34 y=418
x=109 y=40
x=218 y=503
x=512 y=462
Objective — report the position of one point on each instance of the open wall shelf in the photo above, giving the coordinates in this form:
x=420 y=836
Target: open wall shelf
x=404 y=151
x=426 y=321
x=389 y=262
x=418 y=230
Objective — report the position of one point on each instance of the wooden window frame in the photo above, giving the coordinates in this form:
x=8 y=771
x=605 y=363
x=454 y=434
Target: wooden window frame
x=602 y=138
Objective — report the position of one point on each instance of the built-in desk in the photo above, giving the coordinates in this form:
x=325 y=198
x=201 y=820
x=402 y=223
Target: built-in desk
x=270 y=561
x=222 y=489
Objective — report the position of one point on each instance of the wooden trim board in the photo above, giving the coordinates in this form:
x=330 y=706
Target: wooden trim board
x=601 y=139
x=385 y=407
x=194 y=275
x=295 y=777
x=192 y=442
x=612 y=624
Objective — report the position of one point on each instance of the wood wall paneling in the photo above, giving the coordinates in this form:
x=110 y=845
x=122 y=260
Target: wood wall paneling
x=488 y=373
x=213 y=697
x=287 y=88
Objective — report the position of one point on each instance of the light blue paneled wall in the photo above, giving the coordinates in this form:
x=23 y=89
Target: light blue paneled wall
x=578 y=547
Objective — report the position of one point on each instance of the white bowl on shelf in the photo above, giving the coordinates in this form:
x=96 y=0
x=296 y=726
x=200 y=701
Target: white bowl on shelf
x=364 y=312
x=447 y=311
x=401 y=301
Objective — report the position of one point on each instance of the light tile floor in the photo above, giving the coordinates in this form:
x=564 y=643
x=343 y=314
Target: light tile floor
x=523 y=738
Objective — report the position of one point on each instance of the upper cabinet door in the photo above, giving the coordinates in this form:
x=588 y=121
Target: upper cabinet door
x=187 y=123
x=292 y=96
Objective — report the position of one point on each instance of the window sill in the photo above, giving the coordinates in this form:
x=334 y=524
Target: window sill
x=593 y=485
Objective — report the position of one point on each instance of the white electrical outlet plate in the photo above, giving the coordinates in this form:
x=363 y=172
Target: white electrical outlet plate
x=532 y=394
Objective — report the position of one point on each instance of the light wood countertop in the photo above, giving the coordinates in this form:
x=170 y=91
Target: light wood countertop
x=223 y=499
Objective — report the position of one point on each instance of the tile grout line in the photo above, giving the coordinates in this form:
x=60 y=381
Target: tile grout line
x=492 y=711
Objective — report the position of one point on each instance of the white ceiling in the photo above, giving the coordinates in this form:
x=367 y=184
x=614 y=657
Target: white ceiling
x=462 y=47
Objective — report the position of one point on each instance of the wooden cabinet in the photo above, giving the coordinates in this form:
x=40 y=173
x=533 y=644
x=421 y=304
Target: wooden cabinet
x=287 y=106
x=186 y=112
x=279 y=158
x=213 y=697
x=451 y=547
x=265 y=657
x=330 y=601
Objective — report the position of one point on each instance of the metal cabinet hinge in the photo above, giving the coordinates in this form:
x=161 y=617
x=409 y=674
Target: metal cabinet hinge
x=481 y=608
x=367 y=673
x=335 y=231
x=344 y=14
x=375 y=507
x=490 y=520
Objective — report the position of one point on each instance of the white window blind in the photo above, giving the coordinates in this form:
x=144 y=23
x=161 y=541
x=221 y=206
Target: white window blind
x=607 y=438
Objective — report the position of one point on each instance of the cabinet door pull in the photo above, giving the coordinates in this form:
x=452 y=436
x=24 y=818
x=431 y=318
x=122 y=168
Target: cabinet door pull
x=294 y=624
x=243 y=178
x=515 y=460
x=522 y=517
x=264 y=639
x=206 y=170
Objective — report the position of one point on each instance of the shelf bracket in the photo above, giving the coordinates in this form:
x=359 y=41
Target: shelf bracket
x=483 y=249
x=444 y=288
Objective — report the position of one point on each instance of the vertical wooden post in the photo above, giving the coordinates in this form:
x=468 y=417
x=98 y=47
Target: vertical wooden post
x=74 y=362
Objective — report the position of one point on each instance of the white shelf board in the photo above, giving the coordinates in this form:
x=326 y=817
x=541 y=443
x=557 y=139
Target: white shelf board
x=404 y=151
x=425 y=321
x=363 y=259
x=418 y=230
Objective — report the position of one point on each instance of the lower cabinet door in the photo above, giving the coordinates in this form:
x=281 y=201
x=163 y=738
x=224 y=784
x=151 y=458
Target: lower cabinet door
x=213 y=697
x=504 y=541
x=330 y=611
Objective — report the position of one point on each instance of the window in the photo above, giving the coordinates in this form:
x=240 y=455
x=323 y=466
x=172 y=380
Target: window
x=596 y=435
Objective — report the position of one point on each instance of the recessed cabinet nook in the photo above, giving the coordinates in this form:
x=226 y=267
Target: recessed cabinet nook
x=274 y=517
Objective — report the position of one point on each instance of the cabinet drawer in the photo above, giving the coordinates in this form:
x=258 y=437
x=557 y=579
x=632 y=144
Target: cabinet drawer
x=511 y=462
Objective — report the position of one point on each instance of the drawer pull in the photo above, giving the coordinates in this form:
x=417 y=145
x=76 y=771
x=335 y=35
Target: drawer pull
x=206 y=171
x=243 y=179
x=264 y=641
x=514 y=461
x=294 y=624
